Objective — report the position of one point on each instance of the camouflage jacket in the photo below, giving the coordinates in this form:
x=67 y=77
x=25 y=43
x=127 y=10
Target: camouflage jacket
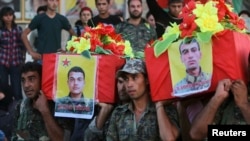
x=138 y=35
x=122 y=125
x=29 y=124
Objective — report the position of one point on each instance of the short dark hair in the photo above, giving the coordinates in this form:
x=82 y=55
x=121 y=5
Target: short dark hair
x=76 y=69
x=106 y=0
x=129 y=1
x=41 y=8
x=174 y=1
x=193 y=40
x=32 y=66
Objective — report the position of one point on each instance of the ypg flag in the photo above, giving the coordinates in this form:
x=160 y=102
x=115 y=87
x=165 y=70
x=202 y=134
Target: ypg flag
x=100 y=73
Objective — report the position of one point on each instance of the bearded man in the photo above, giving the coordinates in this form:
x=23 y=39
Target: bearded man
x=135 y=28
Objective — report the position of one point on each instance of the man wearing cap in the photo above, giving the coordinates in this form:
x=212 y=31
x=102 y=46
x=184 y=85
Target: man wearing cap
x=166 y=17
x=141 y=119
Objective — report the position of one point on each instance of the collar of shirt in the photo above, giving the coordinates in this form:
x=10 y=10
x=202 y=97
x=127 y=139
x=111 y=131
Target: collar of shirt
x=193 y=79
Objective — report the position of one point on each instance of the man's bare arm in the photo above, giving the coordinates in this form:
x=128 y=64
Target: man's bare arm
x=206 y=116
x=55 y=132
x=24 y=36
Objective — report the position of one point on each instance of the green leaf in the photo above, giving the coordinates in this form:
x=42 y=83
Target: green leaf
x=109 y=51
x=161 y=46
x=204 y=36
x=86 y=54
x=139 y=54
x=100 y=50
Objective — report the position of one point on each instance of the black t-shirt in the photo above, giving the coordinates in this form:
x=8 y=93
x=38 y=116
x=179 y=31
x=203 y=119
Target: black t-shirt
x=160 y=15
x=112 y=19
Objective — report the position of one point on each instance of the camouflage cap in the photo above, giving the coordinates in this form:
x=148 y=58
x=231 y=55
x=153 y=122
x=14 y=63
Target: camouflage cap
x=133 y=66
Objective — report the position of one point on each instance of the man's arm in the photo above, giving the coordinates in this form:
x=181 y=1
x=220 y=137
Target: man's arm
x=32 y=37
x=55 y=132
x=96 y=127
x=168 y=130
x=240 y=93
x=156 y=10
x=91 y=22
x=103 y=115
x=24 y=36
x=72 y=32
x=206 y=116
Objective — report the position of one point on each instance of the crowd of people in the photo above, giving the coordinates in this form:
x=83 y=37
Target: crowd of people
x=27 y=115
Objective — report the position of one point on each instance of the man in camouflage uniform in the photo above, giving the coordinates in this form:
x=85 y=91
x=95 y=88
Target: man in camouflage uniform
x=34 y=119
x=195 y=79
x=136 y=29
x=141 y=119
x=228 y=106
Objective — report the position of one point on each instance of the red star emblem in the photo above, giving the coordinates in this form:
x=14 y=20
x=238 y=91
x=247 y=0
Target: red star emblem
x=66 y=62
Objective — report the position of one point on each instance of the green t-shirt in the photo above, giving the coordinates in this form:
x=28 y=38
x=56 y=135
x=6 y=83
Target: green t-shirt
x=49 y=31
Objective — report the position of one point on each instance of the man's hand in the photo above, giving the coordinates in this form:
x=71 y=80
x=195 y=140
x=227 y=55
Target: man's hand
x=35 y=55
x=106 y=106
x=41 y=103
x=61 y=50
x=222 y=90
x=239 y=90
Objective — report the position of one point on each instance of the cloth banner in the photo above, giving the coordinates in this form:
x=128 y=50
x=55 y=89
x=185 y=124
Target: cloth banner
x=230 y=51
x=105 y=89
